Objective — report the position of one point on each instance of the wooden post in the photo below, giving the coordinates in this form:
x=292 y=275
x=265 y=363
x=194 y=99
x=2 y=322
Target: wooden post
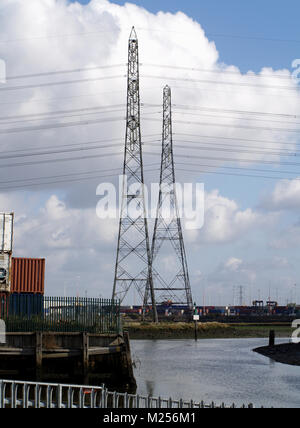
x=128 y=370
x=272 y=338
x=38 y=353
x=85 y=353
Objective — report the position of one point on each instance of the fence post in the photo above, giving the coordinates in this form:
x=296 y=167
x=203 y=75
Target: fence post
x=38 y=354
x=13 y=395
x=85 y=353
x=2 y=386
x=59 y=396
x=126 y=401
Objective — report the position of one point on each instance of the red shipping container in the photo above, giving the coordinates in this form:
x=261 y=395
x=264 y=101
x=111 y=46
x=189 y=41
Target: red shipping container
x=27 y=275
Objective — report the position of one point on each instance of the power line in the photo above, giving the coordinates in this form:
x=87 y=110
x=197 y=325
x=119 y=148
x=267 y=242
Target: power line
x=55 y=36
x=75 y=70
x=237 y=126
x=119 y=169
x=230 y=126
x=44 y=100
x=59 y=116
x=219 y=71
x=257 y=128
x=94 y=110
x=87 y=147
x=231 y=150
x=231 y=174
x=57 y=112
x=60 y=125
x=210 y=89
x=67 y=175
x=70 y=150
x=93 y=33
x=151 y=153
x=283 y=152
x=64 y=181
x=51 y=152
x=232 y=159
x=246 y=140
x=147 y=105
x=218 y=82
x=74 y=144
x=247 y=112
x=235 y=118
x=64 y=82
x=222 y=35
x=59 y=160
x=242 y=169
x=104 y=67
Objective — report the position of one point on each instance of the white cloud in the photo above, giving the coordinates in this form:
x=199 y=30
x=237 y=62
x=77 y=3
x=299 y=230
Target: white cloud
x=225 y=221
x=233 y=263
x=285 y=196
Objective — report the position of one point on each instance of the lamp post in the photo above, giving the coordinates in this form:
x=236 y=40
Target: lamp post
x=196 y=319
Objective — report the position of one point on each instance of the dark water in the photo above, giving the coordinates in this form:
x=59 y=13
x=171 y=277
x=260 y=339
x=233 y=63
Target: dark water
x=225 y=370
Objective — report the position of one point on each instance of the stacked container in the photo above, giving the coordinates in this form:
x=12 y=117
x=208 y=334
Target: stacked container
x=26 y=296
x=27 y=276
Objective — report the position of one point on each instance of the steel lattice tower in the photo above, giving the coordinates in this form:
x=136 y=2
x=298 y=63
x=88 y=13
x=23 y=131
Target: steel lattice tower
x=168 y=229
x=133 y=263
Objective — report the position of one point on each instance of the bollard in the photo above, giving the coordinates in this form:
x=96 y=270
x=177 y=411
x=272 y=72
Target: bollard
x=272 y=338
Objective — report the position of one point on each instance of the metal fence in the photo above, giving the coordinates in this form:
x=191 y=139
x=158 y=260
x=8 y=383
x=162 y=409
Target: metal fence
x=24 y=313
x=17 y=394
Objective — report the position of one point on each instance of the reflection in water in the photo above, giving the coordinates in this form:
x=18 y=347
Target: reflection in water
x=215 y=370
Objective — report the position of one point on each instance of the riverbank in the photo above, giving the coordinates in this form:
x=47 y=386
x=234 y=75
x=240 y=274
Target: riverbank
x=288 y=353
x=210 y=330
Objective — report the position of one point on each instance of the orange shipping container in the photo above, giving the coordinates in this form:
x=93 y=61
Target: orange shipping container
x=27 y=275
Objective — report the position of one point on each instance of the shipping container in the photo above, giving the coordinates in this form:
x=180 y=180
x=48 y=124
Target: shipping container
x=5 y=272
x=27 y=275
x=26 y=305
x=6 y=232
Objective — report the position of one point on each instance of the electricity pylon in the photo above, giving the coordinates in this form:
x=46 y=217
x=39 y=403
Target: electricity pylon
x=167 y=229
x=133 y=262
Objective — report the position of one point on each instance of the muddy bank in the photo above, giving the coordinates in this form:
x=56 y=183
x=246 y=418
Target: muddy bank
x=288 y=353
x=213 y=330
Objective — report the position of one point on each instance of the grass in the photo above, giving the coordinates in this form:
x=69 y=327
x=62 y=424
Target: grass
x=181 y=330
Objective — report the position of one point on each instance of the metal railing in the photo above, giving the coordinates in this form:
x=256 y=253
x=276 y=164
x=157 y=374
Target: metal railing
x=62 y=314
x=18 y=394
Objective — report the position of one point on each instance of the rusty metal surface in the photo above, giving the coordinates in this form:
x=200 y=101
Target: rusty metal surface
x=27 y=275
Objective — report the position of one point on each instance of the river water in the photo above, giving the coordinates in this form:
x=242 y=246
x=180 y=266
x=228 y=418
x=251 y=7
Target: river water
x=219 y=370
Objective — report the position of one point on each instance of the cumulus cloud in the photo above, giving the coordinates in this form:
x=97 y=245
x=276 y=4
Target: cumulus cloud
x=225 y=221
x=285 y=196
x=75 y=243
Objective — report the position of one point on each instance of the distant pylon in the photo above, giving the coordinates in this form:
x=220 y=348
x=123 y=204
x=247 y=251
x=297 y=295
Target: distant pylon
x=133 y=262
x=167 y=230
